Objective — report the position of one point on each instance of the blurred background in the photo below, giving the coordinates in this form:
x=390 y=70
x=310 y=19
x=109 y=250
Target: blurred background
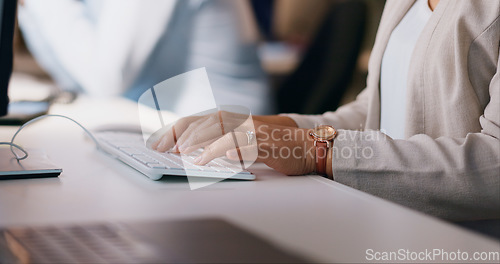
x=315 y=54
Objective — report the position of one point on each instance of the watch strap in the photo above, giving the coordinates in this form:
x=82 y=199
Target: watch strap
x=321 y=157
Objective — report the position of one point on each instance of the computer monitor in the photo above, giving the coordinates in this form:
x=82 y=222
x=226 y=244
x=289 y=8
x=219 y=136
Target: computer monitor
x=7 y=21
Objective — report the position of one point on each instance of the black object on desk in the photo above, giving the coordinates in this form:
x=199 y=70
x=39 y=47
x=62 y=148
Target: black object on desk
x=23 y=111
x=36 y=165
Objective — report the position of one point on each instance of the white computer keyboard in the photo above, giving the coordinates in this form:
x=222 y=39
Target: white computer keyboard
x=130 y=149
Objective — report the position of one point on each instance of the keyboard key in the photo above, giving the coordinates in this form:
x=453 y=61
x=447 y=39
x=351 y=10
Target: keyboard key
x=192 y=167
x=130 y=151
x=208 y=168
x=118 y=144
x=144 y=159
x=157 y=166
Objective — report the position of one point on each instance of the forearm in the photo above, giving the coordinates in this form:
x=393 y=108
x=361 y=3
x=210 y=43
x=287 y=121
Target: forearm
x=276 y=120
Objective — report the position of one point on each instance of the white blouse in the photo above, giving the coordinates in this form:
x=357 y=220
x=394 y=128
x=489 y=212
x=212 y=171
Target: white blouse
x=395 y=67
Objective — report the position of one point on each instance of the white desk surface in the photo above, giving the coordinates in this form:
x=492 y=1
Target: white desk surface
x=315 y=217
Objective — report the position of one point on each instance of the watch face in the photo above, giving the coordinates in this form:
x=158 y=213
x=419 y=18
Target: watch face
x=324 y=132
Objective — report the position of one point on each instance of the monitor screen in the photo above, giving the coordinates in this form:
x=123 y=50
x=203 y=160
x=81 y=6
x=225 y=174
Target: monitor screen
x=7 y=21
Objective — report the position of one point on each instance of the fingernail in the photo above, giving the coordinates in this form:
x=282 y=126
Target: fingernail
x=174 y=149
x=197 y=160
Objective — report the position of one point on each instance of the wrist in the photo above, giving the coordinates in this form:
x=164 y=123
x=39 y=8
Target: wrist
x=323 y=137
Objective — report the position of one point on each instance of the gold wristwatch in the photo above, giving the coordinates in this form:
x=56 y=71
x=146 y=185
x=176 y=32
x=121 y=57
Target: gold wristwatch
x=323 y=137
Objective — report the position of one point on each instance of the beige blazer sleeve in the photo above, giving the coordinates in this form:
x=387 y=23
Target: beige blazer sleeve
x=449 y=164
x=453 y=178
x=436 y=170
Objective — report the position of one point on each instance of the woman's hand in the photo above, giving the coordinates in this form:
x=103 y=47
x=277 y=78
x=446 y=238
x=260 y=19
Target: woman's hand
x=194 y=132
x=289 y=150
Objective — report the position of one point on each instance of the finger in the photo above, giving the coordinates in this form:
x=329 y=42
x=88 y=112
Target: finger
x=168 y=140
x=155 y=144
x=198 y=133
x=245 y=153
x=201 y=136
x=158 y=142
x=194 y=148
x=214 y=126
x=198 y=140
x=220 y=147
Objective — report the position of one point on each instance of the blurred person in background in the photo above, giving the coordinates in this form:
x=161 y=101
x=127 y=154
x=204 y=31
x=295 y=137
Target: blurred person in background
x=124 y=47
